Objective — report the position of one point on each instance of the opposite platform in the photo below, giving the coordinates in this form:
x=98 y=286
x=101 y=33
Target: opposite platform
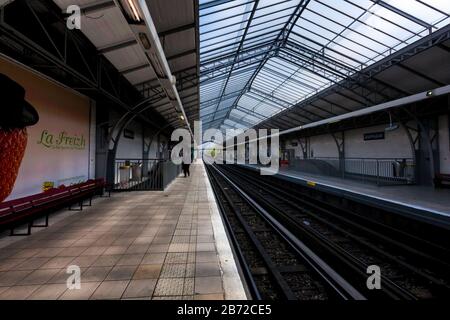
x=135 y=245
x=423 y=202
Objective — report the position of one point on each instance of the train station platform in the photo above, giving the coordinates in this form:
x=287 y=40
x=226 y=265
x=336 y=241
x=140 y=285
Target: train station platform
x=423 y=202
x=134 y=245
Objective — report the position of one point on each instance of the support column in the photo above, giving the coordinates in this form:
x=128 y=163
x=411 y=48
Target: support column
x=304 y=145
x=340 y=144
x=428 y=132
x=413 y=138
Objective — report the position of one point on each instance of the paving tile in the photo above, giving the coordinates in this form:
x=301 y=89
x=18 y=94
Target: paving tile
x=188 y=288
x=86 y=291
x=215 y=296
x=207 y=269
x=106 y=261
x=190 y=270
x=60 y=277
x=94 y=251
x=8 y=253
x=32 y=264
x=192 y=257
x=85 y=242
x=140 y=288
x=124 y=242
x=206 y=247
x=95 y=274
x=147 y=271
x=84 y=261
x=115 y=250
x=27 y=253
x=173 y=271
x=3 y=289
x=49 y=253
x=61 y=243
x=130 y=260
x=205 y=232
x=169 y=287
x=143 y=240
x=41 y=276
x=110 y=290
x=48 y=292
x=207 y=285
x=136 y=249
x=10 y=278
x=72 y=252
x=179 y=247
x=177 y=257
x=121 y=273
x=58 y=263
x=206 y=257
x=182 y=232
x=10 y=264
x=168 y=298
x=158 y=248
x=203 y=239
x=18 y=292
x=154 y=258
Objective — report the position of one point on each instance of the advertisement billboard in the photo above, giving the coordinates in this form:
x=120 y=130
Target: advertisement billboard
x=50 y=148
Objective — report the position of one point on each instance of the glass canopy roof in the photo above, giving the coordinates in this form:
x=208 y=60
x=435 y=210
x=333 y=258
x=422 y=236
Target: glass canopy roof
x=259 y=57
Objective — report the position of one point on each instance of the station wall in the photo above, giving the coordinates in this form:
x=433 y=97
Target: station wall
x=394 y=145
x=322 y=146
x=58 y=148
x=131 y=147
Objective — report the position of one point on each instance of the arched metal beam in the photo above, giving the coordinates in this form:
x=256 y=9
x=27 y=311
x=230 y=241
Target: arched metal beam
x=116 y=132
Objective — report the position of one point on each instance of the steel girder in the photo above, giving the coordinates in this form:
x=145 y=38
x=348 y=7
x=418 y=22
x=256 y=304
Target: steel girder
x=218 y=67
x=369 y=73
x=282 y=37
x=65 y=55
x=344 y=76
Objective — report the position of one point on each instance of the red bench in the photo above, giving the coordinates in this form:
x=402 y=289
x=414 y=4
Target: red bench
x=25 y=211
x=442 y=180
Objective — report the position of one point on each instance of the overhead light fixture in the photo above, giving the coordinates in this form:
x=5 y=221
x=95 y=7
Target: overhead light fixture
x=182 y=117
x=173 y=79
x=430 y=93
x=144 y=40
x=334 y=121
x=134 y=10
x=392 y=126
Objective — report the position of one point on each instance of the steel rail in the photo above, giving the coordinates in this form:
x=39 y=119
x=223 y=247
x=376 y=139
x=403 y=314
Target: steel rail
x=291 y=198
x=332 y=278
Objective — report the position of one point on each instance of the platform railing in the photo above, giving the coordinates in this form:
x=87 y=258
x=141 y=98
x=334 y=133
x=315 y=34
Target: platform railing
x=382 y=171
x=144 y=174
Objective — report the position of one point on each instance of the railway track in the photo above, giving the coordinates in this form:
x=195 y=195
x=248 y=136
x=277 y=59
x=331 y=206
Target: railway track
x=275 y=263
x=345 y=243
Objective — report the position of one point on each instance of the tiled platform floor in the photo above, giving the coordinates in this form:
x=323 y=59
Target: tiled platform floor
x=138 y=245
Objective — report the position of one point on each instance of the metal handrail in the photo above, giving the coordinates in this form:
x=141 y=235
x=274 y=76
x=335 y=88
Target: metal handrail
x=383 y=171
x=140 y=174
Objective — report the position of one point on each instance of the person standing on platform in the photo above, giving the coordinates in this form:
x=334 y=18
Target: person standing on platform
x=186 y=169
